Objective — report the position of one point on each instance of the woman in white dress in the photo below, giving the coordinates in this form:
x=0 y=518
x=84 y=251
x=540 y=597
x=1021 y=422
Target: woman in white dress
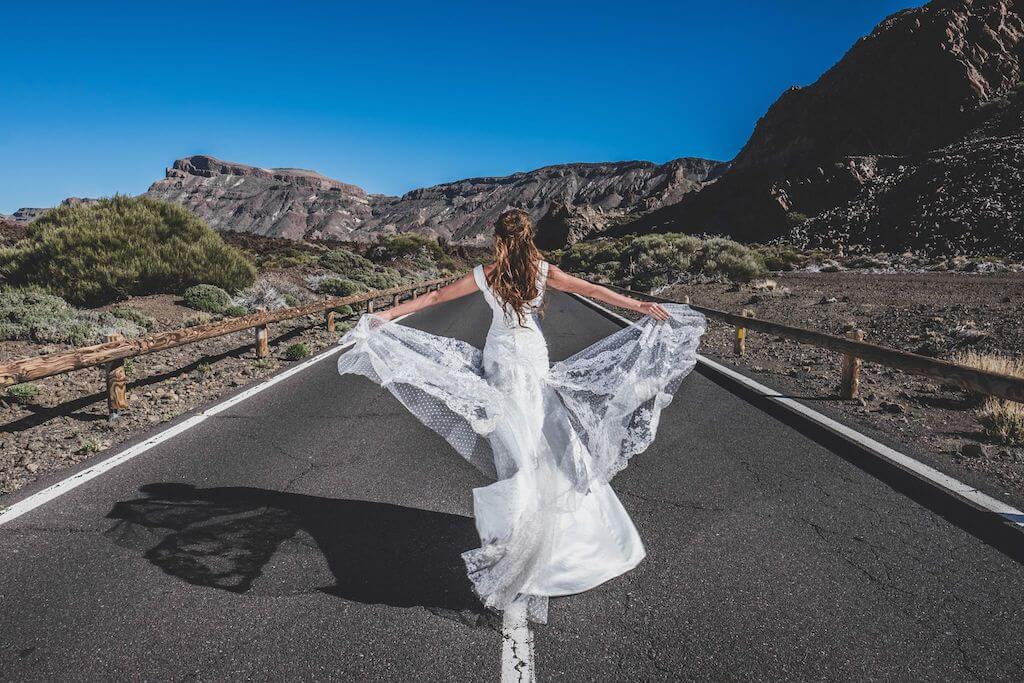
x=552 y=437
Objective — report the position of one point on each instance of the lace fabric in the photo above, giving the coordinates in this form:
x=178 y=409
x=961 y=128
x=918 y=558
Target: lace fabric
x=551 y=436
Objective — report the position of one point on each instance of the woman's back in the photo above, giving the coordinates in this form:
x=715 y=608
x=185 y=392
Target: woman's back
x=513 y=341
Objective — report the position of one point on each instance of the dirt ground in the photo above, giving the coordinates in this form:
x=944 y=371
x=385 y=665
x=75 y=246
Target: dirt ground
x=67 y=422
x=935 y=314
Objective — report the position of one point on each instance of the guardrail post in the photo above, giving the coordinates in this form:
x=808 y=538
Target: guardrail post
x=851 y=369
x=415 y=291
x=686 y=300
x=395 y=299
x=369 y=306
x=329 y=320
x=740 y=345
x=262 y=337
x=117 y=382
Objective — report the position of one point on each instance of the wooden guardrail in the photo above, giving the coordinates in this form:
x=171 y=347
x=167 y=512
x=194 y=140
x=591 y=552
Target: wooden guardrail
x=111 y=354
x=854 y=350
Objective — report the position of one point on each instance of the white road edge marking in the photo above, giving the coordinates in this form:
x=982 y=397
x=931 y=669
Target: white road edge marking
x=39 y=498
x=879 y=449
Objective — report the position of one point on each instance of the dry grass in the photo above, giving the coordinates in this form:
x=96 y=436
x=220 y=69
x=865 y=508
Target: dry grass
x=1002 y=420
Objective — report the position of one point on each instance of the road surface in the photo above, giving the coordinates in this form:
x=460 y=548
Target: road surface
x=313 y=531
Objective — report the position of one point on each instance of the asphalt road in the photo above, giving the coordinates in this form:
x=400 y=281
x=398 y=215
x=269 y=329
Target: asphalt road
x=314 y=530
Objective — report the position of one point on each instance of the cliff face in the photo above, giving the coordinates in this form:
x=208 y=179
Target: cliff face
x=465 y=210
x=295 y=203
x=926 y=94
x=282 y=202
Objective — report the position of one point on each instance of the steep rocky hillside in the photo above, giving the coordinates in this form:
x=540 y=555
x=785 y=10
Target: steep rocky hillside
x=303 y=204
x=905 y=143
x=280 y=202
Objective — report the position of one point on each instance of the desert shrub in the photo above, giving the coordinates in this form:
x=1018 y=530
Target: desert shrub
x=1003 y=421
x=31 y=314
x=345 y=262
x=262 y=294
x=344 y=311
x=354 y=267
x=290 y=258
x=235 y=311
x=209 y=298
x=22 y=393
x=719 y=256
x=408 y=245
x=200 y=318
x=93 y=254
x=657 y=260
x=782 y=257
x=338 y=286
x=598 y=259
x=134 y=315
x=296 y=351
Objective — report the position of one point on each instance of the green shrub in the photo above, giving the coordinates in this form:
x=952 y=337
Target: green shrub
x=344 y=311
x=598 y=259
x=33 y=315
x=337 y=286
x=782 y=257
x=408 y=245
x=235 y=311
x=345 y=262
x=133 y=315
x=94 y=254
x=354 y=267
x=731 y=259
x=22 y=393
x=296 y=351
x=209 y=298
x=657 y=260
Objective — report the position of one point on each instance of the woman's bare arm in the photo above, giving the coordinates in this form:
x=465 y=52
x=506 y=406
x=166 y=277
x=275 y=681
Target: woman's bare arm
x=460 y=288
x=561 y=280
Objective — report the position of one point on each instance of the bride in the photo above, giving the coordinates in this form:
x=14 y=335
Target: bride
x=551 y=436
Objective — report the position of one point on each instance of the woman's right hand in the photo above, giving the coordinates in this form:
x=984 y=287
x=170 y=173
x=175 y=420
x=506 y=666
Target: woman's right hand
x=655 y=310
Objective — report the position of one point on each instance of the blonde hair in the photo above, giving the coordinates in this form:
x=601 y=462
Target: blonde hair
x=516 y=262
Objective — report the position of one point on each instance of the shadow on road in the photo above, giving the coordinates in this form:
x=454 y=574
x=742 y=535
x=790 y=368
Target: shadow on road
x=378 y=553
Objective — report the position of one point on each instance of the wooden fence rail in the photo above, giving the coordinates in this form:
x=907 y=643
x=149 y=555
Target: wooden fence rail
x=973 y=379
x=112 y=352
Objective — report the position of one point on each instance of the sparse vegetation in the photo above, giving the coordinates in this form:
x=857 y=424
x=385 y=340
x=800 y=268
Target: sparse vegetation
x=94 y=254
x=336 y=286
x=651 y=261
x=28 y=313
x=22 y=393
x=235 y=311
x=297 y=351
x=1002 y=420
x=209 y=298
x=355 y=268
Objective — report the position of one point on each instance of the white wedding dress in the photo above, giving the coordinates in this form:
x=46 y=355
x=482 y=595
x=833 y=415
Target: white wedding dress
x=551 y=436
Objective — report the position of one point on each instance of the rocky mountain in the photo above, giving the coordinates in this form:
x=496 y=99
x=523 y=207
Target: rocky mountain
x=302 y=204
x=909 y=141
x=280 y=202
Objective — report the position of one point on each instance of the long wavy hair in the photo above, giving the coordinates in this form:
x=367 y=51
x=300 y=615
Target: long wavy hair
x=516 y=262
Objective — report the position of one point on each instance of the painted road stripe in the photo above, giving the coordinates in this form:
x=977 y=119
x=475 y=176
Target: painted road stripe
x=877 y=448
x=39 y=498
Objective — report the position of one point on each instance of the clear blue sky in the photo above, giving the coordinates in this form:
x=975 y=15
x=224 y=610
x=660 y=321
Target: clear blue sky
x=98 y=97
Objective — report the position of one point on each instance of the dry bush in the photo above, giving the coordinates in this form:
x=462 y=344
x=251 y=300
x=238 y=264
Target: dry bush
x=1001 y=419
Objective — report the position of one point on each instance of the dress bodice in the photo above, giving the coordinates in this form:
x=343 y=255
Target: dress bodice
x=503 y=319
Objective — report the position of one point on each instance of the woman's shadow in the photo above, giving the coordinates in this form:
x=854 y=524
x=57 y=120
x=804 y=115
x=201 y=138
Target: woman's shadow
x=378 y=553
